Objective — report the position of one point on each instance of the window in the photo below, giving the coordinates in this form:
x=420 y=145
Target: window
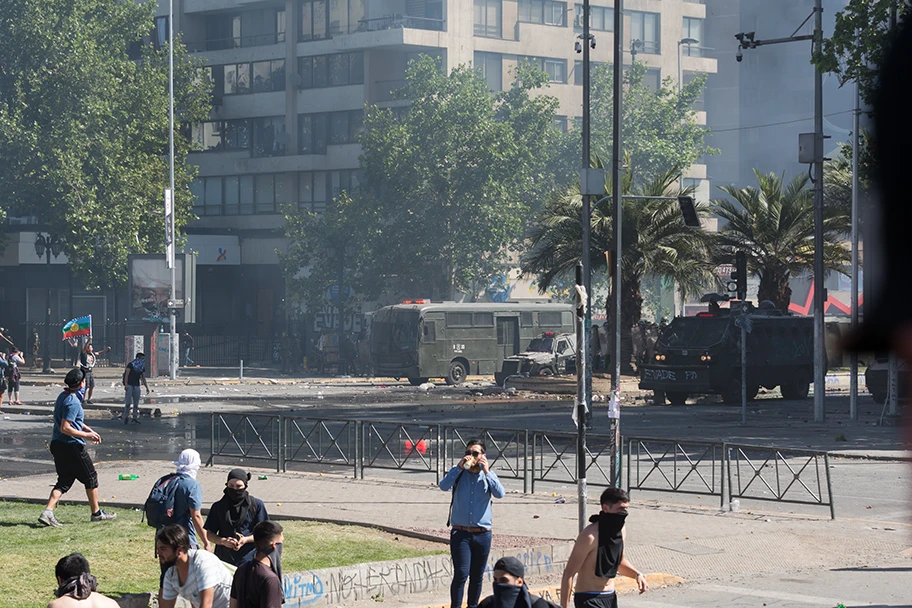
x=459 y=319
x=488 y=18
x=645 y=28
x=312 y=191
x=653 y=79
x=344 y=180
x=314 y=20
x=160 y=36
x=331 y=70
x=268 y=75
x=578 y=70
x=693 y=28
x=428 y=332
x=549 y=319
x=237 y=78
x=235 y=194
x=546 y=12
x=330 y=128
x=312 y=136
x=525 y=319
x=245 y=29
x=490 y=66
x=222 y=135
x=601 y=18
x=269 y=136
x=560 y=123
x=483 y=319
x=555 y=68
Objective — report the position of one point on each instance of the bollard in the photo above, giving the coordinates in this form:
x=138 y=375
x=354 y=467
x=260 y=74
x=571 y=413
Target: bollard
x=241 y=377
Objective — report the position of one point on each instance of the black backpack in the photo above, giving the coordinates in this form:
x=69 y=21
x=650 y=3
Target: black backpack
x=159 y=508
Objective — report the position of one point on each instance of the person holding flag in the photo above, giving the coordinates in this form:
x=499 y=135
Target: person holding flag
x=87 y=360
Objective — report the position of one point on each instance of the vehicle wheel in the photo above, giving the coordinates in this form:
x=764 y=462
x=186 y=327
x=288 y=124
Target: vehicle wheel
x=658 y=397
x=417 y=381
x=796 y=387
x=732 y=393
x=879 y=397
x=456 y=374
x=546 y=371
x=677 y=398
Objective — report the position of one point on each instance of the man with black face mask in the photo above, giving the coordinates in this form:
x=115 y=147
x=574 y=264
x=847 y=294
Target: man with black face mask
x=598 y=557
x=510 y=590
x=231 y=520
x=258 y=583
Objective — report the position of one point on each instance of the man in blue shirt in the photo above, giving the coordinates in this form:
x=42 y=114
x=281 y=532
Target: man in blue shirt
x=473 y=484
x=71 y=459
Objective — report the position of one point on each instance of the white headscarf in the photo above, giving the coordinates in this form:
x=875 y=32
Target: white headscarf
x=189 y=462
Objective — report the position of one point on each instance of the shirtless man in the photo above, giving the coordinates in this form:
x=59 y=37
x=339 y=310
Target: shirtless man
x=76 y=585
x=587 y=558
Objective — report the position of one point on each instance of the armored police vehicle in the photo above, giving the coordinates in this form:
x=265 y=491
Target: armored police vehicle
x=546 y=355
x=702 y=355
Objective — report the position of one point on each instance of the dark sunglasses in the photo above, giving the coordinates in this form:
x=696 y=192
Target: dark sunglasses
x=471 y=453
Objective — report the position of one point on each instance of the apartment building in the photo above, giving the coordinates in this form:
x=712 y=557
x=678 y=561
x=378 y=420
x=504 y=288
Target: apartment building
x=291 y=81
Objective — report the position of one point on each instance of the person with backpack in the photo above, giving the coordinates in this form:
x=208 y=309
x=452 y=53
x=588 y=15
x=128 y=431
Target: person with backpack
x=231 y=520
x=177 y=498
x=510 y=590
x=473 y=485
x=134 y=373
x=68 y=446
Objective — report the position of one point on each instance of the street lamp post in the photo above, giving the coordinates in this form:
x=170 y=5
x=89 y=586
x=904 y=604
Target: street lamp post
x=45 y=245
x=682 y=42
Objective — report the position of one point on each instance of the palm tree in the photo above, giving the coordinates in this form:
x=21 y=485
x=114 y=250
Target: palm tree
x=774 y=225
x=655 y=241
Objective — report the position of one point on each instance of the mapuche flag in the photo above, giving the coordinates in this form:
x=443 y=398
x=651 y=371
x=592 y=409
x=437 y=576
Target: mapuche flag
x=78 y=327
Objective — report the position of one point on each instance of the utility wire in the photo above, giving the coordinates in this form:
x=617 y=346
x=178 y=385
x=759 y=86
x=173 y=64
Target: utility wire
x=776 y=124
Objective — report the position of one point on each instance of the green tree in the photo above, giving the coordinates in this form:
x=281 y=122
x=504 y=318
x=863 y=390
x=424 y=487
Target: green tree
x=660 y=129
x=774 y=225
x=450 y=182
x=655 y=240
x=84 y=128
x=859 y=42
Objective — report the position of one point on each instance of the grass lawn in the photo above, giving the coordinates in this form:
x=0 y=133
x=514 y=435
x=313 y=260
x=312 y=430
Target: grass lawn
x=121 y=551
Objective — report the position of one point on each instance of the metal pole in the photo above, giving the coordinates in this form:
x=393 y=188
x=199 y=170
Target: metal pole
x=743 y=368
x=616 y=160
x=853 y=367
x=46 y=364
x=586 y=222
x=820 y=357
x=582 y=491
x=241 y=376
x=342 y=365
x=169 y=218
x=680 y=70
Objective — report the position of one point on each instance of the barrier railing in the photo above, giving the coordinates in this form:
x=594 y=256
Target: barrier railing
x=252 y=437
x=670 y=465
x=729 y=471
x=780 y=475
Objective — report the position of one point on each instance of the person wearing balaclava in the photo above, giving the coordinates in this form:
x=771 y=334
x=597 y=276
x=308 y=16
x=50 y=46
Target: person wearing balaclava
x=258 y=582
x=231 y=520
x=76 y=587
x=598 y=557
x=510 y=590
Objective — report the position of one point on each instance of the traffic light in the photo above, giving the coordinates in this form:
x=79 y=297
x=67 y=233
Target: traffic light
x=739 y=276
x=688 y=211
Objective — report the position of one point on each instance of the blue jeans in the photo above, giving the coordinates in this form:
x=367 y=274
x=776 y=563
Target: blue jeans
x=469 y=551
x=133 y=394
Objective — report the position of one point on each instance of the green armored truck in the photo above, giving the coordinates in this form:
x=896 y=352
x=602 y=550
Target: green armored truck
x=702 y=355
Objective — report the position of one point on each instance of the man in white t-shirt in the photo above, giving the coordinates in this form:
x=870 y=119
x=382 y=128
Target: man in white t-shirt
x=195 y=575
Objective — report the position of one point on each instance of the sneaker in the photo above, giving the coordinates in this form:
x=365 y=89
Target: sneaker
x=103 y=515
x=126 y=420
x=88 y=402
x=136 y=421
x=47 y=518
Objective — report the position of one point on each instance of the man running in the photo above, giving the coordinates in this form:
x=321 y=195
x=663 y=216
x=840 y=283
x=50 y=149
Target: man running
x=68 y=446
x=598 y=557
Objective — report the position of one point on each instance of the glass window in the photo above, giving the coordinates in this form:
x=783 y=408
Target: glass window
x=693 y=29
x=231 y=195
x=357 y=68
x=314 y=20
x=262 y=77
x=338 y=127
x=525 y=319
x=320 y=75
x=428 y=332
x=198 y=191
x=265 y=192
x=245 y=194
x=320 y=187
x=161 y=33
x=269 y=136
x=556 y=70
x=221 y=135
x=530 y=11
x=213 y=199
x=653 y=78
x=490 y=66
x=280 y=25
x=601 y=18
x=305 y=71
x=556 y=13
x=338 y=69
x=549 y=319
x=488 y=17
x=305 y=187
x=483 y=319
x=459 y=319
x=645 y=28
x=560 y=123
x=237 y=79
x=355 y=126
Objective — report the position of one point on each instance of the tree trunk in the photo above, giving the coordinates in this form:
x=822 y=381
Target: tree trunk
x=631 y=311
x=774 y=286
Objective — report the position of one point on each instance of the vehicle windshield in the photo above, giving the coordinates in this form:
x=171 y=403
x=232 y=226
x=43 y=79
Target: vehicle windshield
x=694 y=332
x=394 y=331
x=540 y=345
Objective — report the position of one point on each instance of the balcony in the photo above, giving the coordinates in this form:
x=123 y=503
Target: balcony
x=237 y=42
x=391 y=22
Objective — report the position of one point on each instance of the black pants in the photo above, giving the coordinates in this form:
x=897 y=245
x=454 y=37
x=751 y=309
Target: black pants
x=72 y=462
x=595 y=600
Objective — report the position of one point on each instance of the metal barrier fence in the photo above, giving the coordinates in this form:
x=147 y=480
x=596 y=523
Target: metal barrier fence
x=729 y=471
x=670 y=465
x=775 y=474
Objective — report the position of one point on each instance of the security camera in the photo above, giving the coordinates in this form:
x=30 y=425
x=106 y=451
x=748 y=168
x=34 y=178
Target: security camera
x=739 y=56
x=592 y=42
x=578 y=46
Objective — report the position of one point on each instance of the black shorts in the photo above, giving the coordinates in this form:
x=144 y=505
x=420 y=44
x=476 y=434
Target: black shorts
x=595 y=600
x=72 y=462
x=89 y=378
x=13 y=387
